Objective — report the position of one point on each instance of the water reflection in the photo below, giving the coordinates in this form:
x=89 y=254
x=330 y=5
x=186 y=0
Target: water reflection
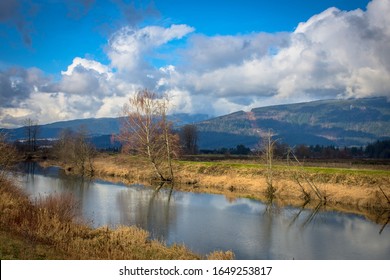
x=312 y=213
x=385 y=224
x=204 y=222
x=153 y=210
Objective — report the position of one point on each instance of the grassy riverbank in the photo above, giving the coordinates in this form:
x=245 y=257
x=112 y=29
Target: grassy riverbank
x=50 y=228
x=344 y=187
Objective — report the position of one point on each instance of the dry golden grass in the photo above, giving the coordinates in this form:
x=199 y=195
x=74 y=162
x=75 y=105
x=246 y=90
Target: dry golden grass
x=13 y=247
x=219 y=255
x=340 y=186
x=51 y=222
x=121 y=166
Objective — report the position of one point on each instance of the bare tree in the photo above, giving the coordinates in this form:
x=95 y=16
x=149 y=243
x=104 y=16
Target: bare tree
x=34 y=134
x=8 y=156
x=84 y=152
x=73 y=149
x=63 y=148
x=267 y=152
x=27 y=128
x=189 y=139
x=31 y=130
x=146 y=131
x=170 y=139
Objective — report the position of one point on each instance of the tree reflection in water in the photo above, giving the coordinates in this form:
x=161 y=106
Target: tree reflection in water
x=153 y=210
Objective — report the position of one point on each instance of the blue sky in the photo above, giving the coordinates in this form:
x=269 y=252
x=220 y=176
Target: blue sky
x=57 y=36
x=75 y=59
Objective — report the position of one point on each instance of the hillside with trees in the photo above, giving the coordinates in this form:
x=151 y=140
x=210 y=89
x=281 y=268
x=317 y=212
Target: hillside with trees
x=338 y=123
x=352 y=122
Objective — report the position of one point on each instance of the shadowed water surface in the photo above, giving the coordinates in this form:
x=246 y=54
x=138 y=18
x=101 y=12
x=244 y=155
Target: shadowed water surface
x=206 y=222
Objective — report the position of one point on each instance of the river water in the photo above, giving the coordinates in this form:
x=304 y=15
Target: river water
x=206 y=222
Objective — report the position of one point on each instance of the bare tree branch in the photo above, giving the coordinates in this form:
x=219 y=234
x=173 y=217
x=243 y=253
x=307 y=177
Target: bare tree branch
x=146 y=131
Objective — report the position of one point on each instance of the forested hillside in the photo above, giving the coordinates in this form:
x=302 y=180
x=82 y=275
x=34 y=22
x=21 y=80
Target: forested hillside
x=352 y=122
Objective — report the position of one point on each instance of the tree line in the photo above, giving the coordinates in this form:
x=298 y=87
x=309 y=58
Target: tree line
x=379 y=149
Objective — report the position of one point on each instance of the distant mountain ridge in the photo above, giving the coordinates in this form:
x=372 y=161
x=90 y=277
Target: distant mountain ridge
x=95 y=126
x=351 y=122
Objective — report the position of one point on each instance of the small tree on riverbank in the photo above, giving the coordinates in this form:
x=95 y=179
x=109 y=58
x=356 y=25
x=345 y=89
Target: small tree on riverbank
x=267 y=151
x=189 y=139
x=8 y=156
x=73 y=149
x=147 y=132
x=31 y=128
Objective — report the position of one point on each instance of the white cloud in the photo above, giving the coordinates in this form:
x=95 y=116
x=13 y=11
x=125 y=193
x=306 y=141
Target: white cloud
x=112 y=106
x=208 y=53
x=335 y=54
x=378 y=15
x=86 y=77
x=127 y=46
x=88 y=65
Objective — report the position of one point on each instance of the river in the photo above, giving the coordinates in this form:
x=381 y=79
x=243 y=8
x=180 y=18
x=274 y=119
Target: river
x=207 y=222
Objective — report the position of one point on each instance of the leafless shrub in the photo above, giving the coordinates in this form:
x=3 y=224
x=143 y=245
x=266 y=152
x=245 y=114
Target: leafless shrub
x=72 y=148
x=63 y=206
x=8 y=156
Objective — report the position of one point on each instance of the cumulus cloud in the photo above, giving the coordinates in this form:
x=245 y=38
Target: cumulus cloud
x=86 y=77
x=334 y=54
x=16 y=84
x=19 y=88
x=29 y=93
x=128 y=47
x=86 y=89
x=88 y=65
x=206 y=53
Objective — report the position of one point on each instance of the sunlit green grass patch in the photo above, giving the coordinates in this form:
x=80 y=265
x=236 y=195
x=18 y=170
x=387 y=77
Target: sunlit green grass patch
x=347 y=171
x=280 y=166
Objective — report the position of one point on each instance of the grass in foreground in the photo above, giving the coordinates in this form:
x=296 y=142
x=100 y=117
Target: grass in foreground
x=14 y=247
x=48 y=229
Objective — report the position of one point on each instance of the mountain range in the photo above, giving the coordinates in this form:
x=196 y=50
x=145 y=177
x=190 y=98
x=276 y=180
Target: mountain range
x=95 y=126
x=351 y=122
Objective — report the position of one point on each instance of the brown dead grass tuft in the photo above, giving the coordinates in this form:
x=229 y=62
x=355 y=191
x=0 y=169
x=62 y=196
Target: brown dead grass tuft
x=219 y=255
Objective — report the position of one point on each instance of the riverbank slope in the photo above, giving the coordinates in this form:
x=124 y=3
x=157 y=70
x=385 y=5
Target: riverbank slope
x=364 y=188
